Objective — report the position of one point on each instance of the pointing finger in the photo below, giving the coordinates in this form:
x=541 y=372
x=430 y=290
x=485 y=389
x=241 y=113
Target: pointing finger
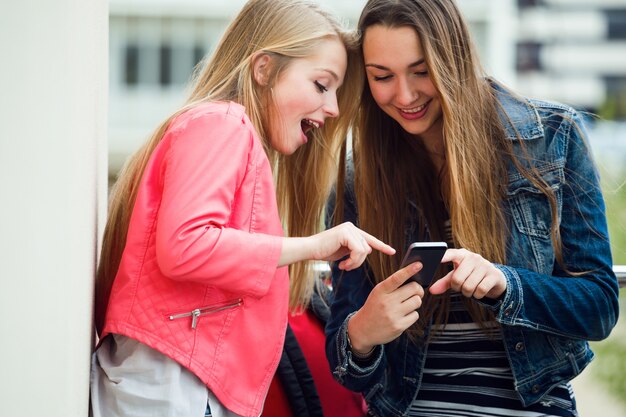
x=378 y=244
x=452 y=255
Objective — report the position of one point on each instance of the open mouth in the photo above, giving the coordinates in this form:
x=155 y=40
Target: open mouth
x=415 y=109
x=308 y=125
x=414 y=113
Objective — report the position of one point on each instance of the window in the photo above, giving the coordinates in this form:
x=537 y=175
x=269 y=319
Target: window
x=528 y=56
x=616 y=24
x=165 y=64
x=160 y=52
x=131 y=64
x=198 y=55
x=522 y=4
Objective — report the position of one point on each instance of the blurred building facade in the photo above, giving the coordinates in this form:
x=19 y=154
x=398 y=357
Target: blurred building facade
x=572 y=51
x=155 y=44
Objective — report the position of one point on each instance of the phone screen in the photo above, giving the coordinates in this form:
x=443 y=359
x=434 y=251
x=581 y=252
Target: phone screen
x=429 y=254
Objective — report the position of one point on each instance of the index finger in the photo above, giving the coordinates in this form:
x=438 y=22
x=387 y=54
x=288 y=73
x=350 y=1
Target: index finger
x=395 y=281
x=452 y=255
x=378 y=244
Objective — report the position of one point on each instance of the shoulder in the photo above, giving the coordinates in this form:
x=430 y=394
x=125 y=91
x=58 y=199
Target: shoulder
x=530 y=118
x=220 y=113
x=221 y=125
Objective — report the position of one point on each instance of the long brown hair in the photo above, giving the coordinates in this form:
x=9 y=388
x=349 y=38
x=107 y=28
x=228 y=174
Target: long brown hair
x=391 y=166
x=285 y=30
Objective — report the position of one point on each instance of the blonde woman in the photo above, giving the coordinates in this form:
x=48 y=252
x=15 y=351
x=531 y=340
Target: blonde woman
x=443 y=153
x=192 y=294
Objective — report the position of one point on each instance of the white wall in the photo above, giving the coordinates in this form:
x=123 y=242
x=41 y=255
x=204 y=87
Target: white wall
x=53 y=130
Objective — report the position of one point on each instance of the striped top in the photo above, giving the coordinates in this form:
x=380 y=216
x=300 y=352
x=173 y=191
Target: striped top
x=467 y=373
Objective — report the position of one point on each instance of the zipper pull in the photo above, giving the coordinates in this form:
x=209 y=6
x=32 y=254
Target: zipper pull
x=194 y=317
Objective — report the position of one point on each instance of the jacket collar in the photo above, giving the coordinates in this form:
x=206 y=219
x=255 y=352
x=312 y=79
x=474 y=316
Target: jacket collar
x=519 y=116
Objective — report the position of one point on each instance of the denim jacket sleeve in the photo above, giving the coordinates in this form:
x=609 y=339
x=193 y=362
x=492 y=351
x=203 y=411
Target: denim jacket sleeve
x=350 y=290
x=580 y=300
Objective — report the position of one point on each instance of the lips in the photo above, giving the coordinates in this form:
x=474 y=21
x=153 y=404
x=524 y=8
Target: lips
x=414 y=113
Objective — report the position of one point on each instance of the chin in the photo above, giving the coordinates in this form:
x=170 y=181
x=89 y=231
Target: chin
x=287 y=150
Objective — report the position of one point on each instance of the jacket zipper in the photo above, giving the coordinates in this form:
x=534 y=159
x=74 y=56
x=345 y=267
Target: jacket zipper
x=195 y=314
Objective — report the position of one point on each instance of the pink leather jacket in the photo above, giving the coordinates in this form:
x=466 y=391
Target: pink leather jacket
x=198 y=279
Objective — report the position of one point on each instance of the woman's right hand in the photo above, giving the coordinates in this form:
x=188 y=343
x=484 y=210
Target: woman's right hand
x=389 y=310
x=332 y=245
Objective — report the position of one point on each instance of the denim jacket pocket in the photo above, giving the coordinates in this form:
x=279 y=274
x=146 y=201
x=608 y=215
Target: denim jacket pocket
x=569 y=349
x=531 y=215
x=530 y=207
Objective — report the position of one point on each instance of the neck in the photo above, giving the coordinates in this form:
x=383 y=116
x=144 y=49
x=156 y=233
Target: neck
x=432 y=140
x=437 y=154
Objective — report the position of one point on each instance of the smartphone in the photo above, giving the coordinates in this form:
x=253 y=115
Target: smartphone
x=429 y=254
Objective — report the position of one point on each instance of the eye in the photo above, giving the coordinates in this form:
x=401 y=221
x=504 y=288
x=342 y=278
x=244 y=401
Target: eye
x=421 y=73
x=321 y=87
x=383 y=78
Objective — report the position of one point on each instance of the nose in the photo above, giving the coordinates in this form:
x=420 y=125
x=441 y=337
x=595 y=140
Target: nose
x=331 y=107
x=405 y=94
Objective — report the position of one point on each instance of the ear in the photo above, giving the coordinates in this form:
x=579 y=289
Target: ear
x=261 y=66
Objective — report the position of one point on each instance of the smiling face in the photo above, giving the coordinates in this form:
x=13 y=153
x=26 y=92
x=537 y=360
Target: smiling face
x=305 y=94
x=400 y=83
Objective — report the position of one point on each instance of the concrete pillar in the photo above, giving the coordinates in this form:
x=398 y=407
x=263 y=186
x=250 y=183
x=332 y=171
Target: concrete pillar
x=53 y=157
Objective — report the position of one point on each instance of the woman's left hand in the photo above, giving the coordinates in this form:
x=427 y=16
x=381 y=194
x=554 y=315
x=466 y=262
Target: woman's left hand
x=473 y=276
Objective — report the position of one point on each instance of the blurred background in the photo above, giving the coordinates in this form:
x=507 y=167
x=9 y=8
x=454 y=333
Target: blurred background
x=572 y=51
x=83 y=83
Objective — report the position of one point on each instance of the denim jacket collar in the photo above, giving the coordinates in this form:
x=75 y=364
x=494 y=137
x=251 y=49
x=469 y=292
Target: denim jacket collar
x=520 y=118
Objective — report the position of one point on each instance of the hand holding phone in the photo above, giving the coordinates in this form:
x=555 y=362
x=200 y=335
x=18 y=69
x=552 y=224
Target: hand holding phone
x=429 y=254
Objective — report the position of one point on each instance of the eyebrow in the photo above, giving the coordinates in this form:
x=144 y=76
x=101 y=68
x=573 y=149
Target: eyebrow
x=382 y=67
x=332 y=73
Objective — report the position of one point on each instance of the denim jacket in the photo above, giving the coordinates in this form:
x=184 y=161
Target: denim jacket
x=546 y=314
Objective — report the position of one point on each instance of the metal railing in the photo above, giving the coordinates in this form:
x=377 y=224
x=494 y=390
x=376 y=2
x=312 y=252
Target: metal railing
x=620 y=272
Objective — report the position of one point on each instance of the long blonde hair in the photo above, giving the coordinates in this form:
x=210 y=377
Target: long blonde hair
x=390 y=166
x=285 y=30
